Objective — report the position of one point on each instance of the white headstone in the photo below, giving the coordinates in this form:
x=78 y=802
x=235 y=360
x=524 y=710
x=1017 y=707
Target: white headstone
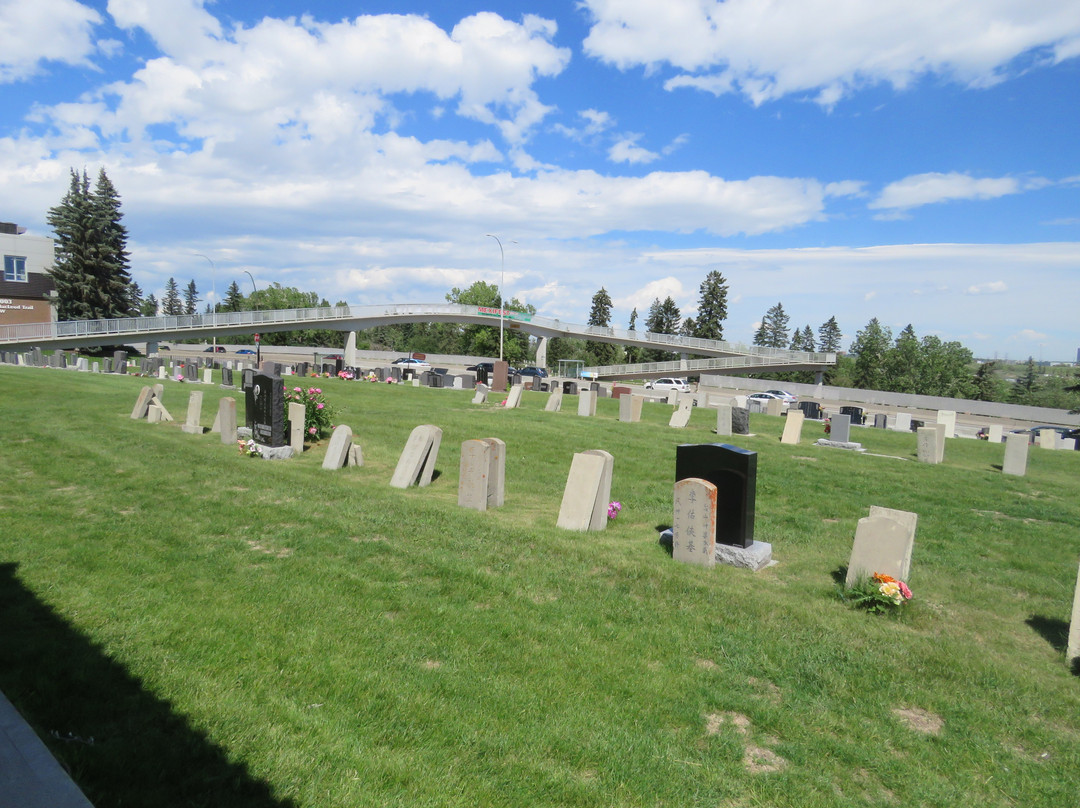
x=554 y=402
x=194 y=414
x=146 y=395
x=417 y=462
x=681 y=417
x=513 y=399
x=693 y=538
x=630 y=408
x=586 y=403
x=208 y=376
x=297 y=415
x=226 y=419
x=948 y=419
x=994 y=433
x=603 y=493
x=774 y=406
x=882 y=544
x=350 y=350
x=723 y=419
x=496 y=481
x=474 y=470
x=903 y=422
x=1068 y=444
x=584 y=492
x=1048 y=439
x=1072 y=650
x=481 y=394
x=337 y=452
x=1016 y=455
x=927 y=448
x=793 y=427
x=942 y=434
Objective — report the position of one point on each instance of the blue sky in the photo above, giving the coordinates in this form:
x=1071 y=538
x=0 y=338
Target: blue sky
x=912 y=161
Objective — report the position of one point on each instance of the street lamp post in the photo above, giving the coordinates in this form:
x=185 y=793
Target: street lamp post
x=502 y=287
x=213 y=281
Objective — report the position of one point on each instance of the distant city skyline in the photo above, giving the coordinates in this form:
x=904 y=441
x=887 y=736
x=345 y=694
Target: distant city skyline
x=899 y=160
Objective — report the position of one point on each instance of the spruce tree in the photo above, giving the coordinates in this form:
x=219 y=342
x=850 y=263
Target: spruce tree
x=712 y=307
x=149 y=307
x=113 y=269
x=773 y=331
x=603 y=353
x=829 y=336
x=171 y=305
x=664 y=318
x=869 y=348
x=234 y=300
x=191 y=298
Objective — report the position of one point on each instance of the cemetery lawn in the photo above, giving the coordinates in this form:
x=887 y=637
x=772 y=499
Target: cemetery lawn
x=185 y=626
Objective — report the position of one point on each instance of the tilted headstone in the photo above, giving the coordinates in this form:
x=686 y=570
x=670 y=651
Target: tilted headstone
x=588 y=489
x=265 y=404
x=473 y=472
x=948 y=419
x=194 y=414
x=774 y=406
x=723 y=419
x=1016 y=455
x=926 y=447
x=740 y=421
x=734 y=473
x=840 y=428
x=297 y=414
x=994 y=433
x=481 y=394
x=496 y=482
x=883 y=543
x=554 y=402
x=146 y=395
x=1072 y=650
x=337 y=452
x=227 y=420
x=793 y=427
x=681 y=417
x=416 y=466
x=630 y=408
x=513 y=399
x=693 y=532
x=586 y=403
x=153 y=413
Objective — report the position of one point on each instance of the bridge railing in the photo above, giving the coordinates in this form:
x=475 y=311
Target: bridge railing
x=720 y=363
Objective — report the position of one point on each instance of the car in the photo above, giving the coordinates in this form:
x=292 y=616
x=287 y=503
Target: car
x=246 y=351
x=214 y=349
x=1034 y=432
x=531 y=371
x=668 y=384
x=333 y=357
x=784 y=395
x=764 y=397
x=409 y=362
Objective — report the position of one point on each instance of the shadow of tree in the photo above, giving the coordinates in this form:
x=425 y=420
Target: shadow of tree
x=121 y=744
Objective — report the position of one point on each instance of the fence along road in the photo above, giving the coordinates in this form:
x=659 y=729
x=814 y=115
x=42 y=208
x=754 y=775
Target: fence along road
x=726 y=356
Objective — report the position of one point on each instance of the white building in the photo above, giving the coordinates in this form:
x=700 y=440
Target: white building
x=27 y=290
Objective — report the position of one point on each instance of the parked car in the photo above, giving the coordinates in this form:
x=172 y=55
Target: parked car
x=1034 y=432
x=214 y=349
x=784 y=395
x=764 y=397
x=409 y=362
x=333 y=357
x=531 y=371
x=246 y=351
x=668 y=384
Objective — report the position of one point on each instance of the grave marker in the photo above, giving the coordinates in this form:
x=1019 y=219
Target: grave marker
x=734 y=473
x=554 y=402
x=903 y=422
x=693 y=537
x=417 y=462
x=297 y=415
x=948 y=419
x=480 y=397
x=513 y=399
x=740 y=421
x=927 y=450
x=473 y=474
x=146 y=395
x=840 y=428
x=774 y=406
x=630 y=408
x=588 y=489
x=1048 y=439
x=942 y=430
x=337 y=451
x=994 y=433
x=883 y=543
x=194 y=414
x=266 y=409
x=681 y=417
x=226 y=419
x=793 y=427
x=723 y=419
x=1016 y=455
x=496 y=482
x=1072 y=650
x=586 y=403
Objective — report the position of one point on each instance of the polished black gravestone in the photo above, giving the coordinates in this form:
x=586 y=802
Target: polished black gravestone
x=265 y=405
x=811 y=409
x=734 y=473
x=855 y=413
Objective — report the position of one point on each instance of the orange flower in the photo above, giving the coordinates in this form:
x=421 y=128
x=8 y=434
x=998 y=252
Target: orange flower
x=882 y=578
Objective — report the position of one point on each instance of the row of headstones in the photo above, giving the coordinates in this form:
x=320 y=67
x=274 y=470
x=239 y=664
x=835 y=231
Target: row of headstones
x=35 y=357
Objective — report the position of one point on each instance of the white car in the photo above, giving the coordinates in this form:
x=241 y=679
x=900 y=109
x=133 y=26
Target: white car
x=668 y=384
x=784 y=396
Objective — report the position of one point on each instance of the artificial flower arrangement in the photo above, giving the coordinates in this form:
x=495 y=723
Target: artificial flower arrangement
x=879 y=593
x=249 y=448
x=613 y=509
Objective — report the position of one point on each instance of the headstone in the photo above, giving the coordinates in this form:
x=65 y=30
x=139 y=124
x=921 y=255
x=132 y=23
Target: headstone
x=82 y=364
x=227 y=420
x=903 y=422
x=337 y=451
x=163 y=372
x=499 y=379
x=740 y=421
x=194 y=414
x=356 y=456
x=496 y=481
x=630 y=408
x=681 y=417
x=774 y=406
x=1048 y=439
x=840 y=428
x=941 y=430
x=146 y=395
x=120 y=361
x=97 y=367
x=588 y=488
x=793 y=427
x=227 y=378
x=1016 y=455
x=416 y=466
x=513 y=399
x=108 y=364
x=474 y=470
x=480 y=397
x=265 y=404
x=191 y=370
x=723 y=419
x=468 y=381
x=948 y=418
x=1068 y=444
x=883 y=543
x=153 y=413
x=297 y=415
x=1072 y=649
x=881 y=420
x=854 y=414
x=586 y=403
x=570 y=388
x=554 y=402
x=456 y=382
x=926 y=449
x=734 y=473
x=208 y=376
x=694 y=525
x=994 y=433
x=618 y=391
x=672 y=397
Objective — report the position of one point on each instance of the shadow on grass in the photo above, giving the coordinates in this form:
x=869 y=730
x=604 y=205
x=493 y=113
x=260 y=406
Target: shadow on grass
x=997 y=466
x=1054 y=631
x=839 y=575
x=122 y=744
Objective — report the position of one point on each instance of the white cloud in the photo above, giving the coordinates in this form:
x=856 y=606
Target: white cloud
x=991 y=288
x=869 y=295
x=1029 y=334
x=827 y=49
x=926 y=189
x=626 y=150
x=34 y=32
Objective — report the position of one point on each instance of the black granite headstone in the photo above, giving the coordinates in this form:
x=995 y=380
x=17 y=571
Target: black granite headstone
x=226 y=377
x=881 y=420
x=380 y=374
x=734 y=473
x=811 y=409
x=569 y=388
x=395 y=372
x=435 y=379
x=855 y=413
x=740 y=421
x=265 y=402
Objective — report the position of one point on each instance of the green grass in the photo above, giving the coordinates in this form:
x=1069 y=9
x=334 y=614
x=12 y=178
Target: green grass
x=239 y=632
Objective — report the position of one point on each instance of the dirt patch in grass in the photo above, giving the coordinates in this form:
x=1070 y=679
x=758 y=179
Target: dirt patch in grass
x=283 y=552
x=920 y=720
x=756 y=759
x=800 y=457
x=706 y=664
x=766 y=689
x=759 y=760
x=431 y=664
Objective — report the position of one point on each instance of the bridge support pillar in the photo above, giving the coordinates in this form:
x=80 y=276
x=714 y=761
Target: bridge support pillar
x=151 y=348
x=541 y=351
x=819 y=377
x=350 y=350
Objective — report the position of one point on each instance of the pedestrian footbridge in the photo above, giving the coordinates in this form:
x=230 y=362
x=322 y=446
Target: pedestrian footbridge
x=720 y=356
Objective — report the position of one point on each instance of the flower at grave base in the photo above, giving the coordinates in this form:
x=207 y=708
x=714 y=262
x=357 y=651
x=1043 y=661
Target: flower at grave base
x=297 y=390
x=891 y=590
x=312 y=430
x=904 y=590
x=613 y=509
x=882 y=578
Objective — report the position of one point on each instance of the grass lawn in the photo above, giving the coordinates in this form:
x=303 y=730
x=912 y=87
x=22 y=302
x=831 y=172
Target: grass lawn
x=189 y=627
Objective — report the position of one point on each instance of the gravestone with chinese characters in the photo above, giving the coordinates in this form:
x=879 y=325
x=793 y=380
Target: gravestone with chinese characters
x=265 y=405
x=733 y=471
x=693 y=532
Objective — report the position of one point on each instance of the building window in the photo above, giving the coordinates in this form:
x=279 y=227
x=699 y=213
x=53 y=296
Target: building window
x=15 y=268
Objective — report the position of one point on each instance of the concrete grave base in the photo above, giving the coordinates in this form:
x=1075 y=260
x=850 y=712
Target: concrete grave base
x=839 y=444
x=275 y=452
x=755 y=557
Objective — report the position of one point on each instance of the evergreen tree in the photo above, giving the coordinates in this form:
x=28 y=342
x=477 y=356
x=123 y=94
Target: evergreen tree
x=149 y=307
x=773 y=331
x=114 y=268
x=171 y=305
x=191 y=298
x=663 y=318
x=712 y=307
x=903 y=362
x=134 y=299
x=1025 y=386
x=234 y=300
x=687 y=327
x=829 y=336
x=808 y=339
x=602 y=353
x=987 y=386
x=869 y=348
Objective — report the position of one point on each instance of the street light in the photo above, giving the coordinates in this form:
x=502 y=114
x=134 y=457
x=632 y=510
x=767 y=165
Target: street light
x=213 y=281
x=502 y=284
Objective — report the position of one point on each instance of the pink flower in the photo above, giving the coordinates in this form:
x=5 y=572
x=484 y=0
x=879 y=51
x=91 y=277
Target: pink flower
x=318 y=392
x=311 y=430
x=297 y=390
x=904 y=590
x=319 y=406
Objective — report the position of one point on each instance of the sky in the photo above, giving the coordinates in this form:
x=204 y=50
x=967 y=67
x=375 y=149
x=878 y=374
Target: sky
x=917 y=161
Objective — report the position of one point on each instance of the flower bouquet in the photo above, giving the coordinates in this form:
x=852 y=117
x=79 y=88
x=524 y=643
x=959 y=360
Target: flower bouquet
x=879 y=593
